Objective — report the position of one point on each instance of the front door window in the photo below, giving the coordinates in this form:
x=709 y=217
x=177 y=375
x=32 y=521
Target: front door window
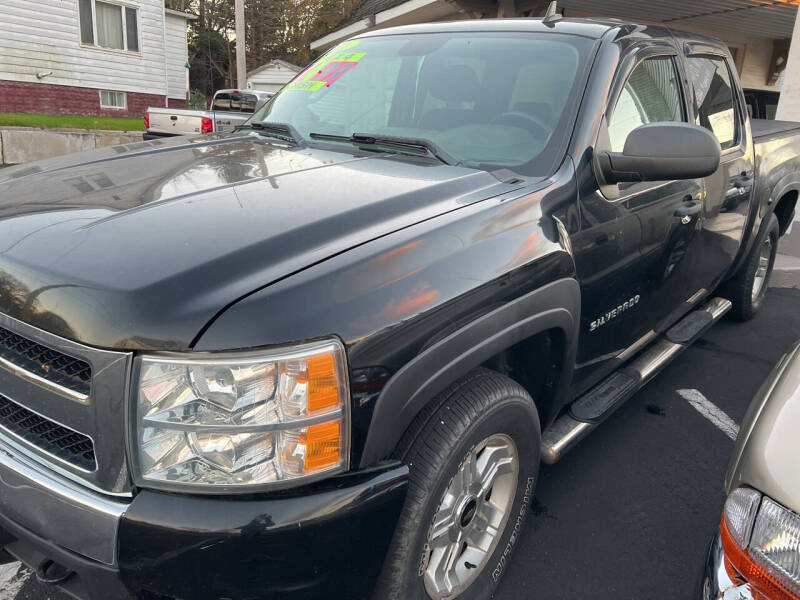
x=651 y=94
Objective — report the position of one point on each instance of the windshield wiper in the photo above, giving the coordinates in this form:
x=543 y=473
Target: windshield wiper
x=282 y=131
x=417 y=146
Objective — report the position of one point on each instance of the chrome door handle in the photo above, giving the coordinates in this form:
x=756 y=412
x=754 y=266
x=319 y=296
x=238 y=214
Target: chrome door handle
x=687 y=210
x=736 y=191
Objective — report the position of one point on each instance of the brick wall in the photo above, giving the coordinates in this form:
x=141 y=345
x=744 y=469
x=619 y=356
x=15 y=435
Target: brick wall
x=25 y=97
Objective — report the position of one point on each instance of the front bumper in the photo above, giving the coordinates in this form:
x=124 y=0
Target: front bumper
x=717 y=583
x=326 y=540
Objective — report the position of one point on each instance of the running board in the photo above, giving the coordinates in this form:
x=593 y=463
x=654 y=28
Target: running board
x=591 y=409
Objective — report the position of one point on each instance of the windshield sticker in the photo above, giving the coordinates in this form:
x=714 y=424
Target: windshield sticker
x=328 y=69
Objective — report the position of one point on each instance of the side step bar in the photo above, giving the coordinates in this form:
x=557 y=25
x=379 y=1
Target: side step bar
x=591 y=409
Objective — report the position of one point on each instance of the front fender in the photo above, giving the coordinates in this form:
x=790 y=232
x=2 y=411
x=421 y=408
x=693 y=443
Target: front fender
x=554 y=306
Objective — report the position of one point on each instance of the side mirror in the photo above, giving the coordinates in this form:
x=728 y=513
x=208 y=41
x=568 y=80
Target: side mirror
x=660 y=152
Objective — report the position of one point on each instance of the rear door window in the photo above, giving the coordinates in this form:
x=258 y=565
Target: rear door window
x=651 y=94
x=248 y=103
x=222 y=102
x=770 y=108
x=751 y=102
x=713 y=96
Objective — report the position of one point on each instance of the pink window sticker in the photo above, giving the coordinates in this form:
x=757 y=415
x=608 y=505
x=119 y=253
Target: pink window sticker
x=333 y=71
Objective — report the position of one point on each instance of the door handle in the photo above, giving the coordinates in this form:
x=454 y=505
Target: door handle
x=736 y=191
x=741 y=186
x=688 y=209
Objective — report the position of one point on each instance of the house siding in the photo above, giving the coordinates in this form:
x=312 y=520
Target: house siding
x=41 y=36
x=177 y=55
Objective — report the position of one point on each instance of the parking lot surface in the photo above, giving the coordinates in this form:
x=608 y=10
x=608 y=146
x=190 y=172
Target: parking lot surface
x=629 y=512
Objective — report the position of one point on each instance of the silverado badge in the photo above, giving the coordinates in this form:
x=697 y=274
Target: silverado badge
x=613 y=313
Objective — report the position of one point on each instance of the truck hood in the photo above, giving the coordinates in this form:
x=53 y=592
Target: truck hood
x=140 y=246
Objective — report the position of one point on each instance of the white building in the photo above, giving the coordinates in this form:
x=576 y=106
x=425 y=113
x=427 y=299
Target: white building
x=272 y=76
x=93 y=57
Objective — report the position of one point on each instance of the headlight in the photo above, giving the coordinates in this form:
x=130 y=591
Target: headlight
x=775 y=544
x=234 y=422
x=761 y=539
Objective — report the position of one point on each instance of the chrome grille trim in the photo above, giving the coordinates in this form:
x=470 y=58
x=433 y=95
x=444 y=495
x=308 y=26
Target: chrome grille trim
x=101 y=417
x=41 y=381
x=58 y=371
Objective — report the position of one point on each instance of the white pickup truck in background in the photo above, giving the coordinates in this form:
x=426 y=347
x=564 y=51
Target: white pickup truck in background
x=229 y=109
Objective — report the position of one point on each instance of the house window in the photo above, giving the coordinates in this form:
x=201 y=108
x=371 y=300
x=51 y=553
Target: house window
x=108 y=25
x=110 y=99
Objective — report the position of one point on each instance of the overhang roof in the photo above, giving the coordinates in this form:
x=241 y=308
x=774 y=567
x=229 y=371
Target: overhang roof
x=178 y=13
x=752 y=18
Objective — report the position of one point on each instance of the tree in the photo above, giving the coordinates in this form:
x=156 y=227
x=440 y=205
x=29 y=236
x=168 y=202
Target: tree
x=275 y=29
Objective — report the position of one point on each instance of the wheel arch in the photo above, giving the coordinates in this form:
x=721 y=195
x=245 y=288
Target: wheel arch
x=785 y=204
x=552 y=307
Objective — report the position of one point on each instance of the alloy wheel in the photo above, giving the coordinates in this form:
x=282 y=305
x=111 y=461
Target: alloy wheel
x=471 y=517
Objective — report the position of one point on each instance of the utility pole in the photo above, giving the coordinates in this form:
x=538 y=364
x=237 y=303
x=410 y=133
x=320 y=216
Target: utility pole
x=241 y=59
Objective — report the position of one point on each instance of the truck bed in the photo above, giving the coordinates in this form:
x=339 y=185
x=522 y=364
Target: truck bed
x=763 y=128
x=176 y=121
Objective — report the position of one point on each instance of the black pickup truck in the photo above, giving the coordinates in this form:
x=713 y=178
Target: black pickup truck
x=323 y=356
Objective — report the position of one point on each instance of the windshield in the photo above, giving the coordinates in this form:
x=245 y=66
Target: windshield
x=488 y=100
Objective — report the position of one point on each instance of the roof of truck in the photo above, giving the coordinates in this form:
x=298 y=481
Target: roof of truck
x=594 y=28
x=591 y=28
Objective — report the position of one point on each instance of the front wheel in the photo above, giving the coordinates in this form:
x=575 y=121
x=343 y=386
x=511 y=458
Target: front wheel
x=473 y=459
x=748 y=287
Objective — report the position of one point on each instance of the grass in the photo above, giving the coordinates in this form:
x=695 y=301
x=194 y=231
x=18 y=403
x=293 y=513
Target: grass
x=72 y=121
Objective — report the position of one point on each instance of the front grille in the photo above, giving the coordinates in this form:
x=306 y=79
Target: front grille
x=49 y=364
x=68 y=445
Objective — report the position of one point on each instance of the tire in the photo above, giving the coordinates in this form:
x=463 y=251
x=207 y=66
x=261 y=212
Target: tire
x=746 y=290
x=482 y=419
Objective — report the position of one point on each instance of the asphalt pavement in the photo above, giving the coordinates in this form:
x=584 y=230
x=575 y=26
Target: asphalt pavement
x=628 y=514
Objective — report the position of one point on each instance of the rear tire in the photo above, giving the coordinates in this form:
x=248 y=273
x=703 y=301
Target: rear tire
x=748 y=287
x=473 y=457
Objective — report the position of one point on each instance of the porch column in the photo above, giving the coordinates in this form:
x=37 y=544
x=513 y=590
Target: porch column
x=789 y=103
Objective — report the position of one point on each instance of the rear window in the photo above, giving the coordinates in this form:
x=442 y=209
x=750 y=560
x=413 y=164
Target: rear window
x=222 y=102
x=245 y=103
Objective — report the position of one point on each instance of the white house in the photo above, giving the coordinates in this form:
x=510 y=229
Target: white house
x=272 y=76
x=92 y=57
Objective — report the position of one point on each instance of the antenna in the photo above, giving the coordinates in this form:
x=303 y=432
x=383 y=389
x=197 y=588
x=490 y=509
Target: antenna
x=551 y=16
